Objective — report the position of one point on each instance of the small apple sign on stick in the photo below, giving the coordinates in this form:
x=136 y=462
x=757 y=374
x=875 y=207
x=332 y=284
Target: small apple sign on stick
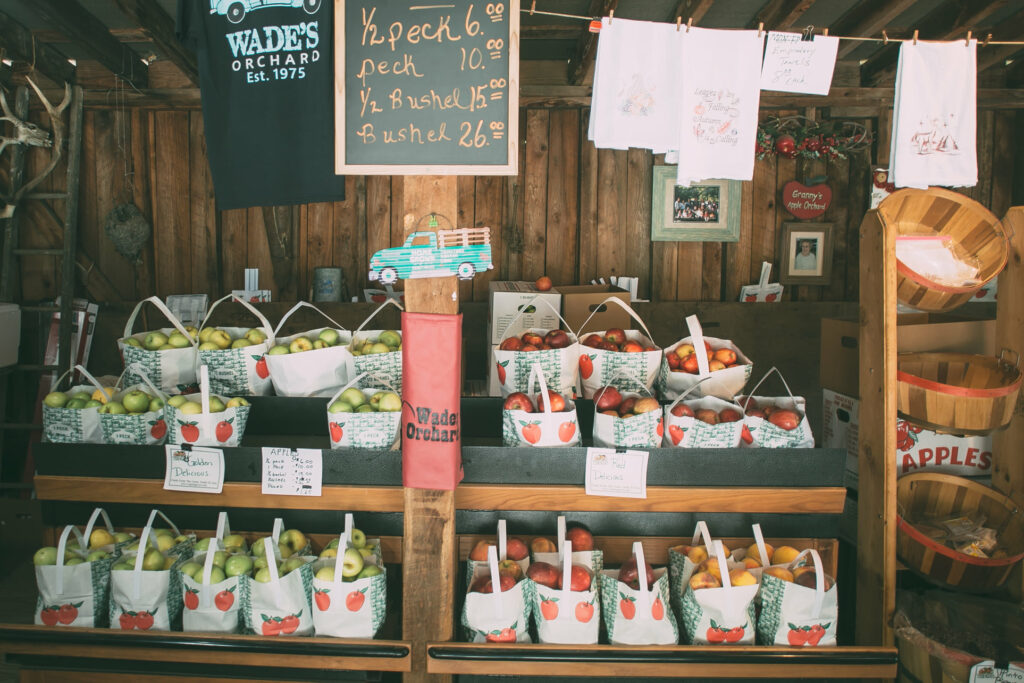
x=805 y=201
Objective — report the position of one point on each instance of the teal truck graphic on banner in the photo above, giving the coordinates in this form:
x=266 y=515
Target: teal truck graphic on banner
x=235 y=10
x=463 y=252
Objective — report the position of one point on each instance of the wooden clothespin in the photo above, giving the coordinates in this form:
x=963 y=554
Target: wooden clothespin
x=679 y=23
x=611 y=15
x=808 y=34
x=689 y=23
x=533 y=7
x=988 y=37
x=824 y=32
x=760 y=28
x=967 y=40
x=885 y=38
x=915 y=36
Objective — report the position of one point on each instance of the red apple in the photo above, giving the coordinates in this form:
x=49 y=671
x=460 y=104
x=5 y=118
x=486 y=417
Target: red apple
x=608 y=346
x=673 y=361
x=511 y=344
x=479 y=551
x=580 y=538
x=511 y=568
x=707 y=415
x=726 y=356
x=543 y=545
x=632 y=347
x=528 y=347
x=532 y=338
x=518 y=401
x=607 y=398
x=786 y=419
x=544 y=573
x=579 y=578
x=557 y=339
x=690 y=365
x=543 y=283
x=626 y=407
x=557 y=401
x=483 y=585
x=715 y=365
x=515 y=549
x=593 y=341
x=729 y=415
x=682 y=410
x=629 y=575
x=615 y=335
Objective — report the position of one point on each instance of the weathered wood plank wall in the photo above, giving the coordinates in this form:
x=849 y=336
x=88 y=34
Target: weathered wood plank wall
x=573 y=213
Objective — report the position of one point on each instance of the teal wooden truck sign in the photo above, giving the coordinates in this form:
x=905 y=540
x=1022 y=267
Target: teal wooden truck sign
x=462 y=252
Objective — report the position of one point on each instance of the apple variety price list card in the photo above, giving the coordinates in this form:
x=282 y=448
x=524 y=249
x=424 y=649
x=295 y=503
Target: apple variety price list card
x=613 y=473
x=199 y=470
x=426 y=88
x=288 y=472
x=1002 y=672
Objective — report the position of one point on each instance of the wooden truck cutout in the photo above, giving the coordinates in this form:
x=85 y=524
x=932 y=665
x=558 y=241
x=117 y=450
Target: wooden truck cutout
x=462 y=252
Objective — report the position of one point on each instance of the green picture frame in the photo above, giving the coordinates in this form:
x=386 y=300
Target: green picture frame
x=708 y=211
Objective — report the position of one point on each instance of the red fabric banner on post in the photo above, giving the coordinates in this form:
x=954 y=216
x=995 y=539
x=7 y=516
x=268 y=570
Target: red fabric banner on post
x=431 y=423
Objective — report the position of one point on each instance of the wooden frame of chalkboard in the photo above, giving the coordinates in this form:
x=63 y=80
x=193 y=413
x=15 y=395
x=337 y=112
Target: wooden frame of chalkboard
x=426 y=88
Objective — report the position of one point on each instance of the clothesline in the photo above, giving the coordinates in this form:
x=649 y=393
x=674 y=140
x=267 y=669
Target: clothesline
x=885 y=39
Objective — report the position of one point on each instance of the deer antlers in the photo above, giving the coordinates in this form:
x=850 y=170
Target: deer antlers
x=30 y=134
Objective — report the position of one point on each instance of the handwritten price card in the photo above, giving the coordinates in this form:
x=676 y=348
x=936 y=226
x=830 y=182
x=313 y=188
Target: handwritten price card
x=795 y=65
x=426 y=88
x=996 y=673
x=199 y=470
x=610 y=473
x=288 y=472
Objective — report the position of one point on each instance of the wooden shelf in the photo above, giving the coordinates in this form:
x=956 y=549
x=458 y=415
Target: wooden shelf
x=675 y=661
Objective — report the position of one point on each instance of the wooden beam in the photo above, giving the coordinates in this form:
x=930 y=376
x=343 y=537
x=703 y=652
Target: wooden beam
x=867 y=19
x=582 y=63
x=1011 y=28
x=19 y=44
x=136 y=34
x=779 y=15
x=876 y=496
x=160 y=27
x=691 y=10
x=551 y=31
x=1007 y=465
x=92 y=37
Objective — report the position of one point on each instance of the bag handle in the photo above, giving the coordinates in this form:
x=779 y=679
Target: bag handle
x=259 y=316
x=697 y=341
x=275 y=532
x=566 y=558
x=644 y=603
x=140 y=555
x=701 y=532
x=762 y=549
x=211 y=554
x=299 y=305
x=547 y=303
x=204 y=389
x=561 y=532
x=92 y=380
x=223 y=527
x=626 y=307
x=62 y=545
x=502 y=539
x=343 y=540
x=141 y=374
x=355 y=380
x=157 y=513
x=387 y=302
x=723 y=567
x=819 y=578
x=766 y=272
x=96 y=514
x=492 y=566
x=686 y=393
x=753 y=391
x=622 y=372
x=270 y=552
x=537 y=373
x=155 y=300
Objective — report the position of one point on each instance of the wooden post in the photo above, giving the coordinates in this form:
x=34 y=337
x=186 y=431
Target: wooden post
x=876 y=496
x=1007 y=465
x=428 y=546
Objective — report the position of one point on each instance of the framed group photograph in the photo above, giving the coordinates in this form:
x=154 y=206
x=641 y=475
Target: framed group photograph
x=806 y=254
x=708 y=211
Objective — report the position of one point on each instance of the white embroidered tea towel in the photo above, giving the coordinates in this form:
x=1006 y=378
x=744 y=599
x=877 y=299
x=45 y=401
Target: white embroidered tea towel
x=634 y=97
x=935 y=115
x=720 y=89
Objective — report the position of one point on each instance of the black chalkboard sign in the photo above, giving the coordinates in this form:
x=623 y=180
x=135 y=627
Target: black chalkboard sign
x=426 y=88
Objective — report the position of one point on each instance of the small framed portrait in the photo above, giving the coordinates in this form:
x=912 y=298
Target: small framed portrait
x=708 y=211
x=806 y=254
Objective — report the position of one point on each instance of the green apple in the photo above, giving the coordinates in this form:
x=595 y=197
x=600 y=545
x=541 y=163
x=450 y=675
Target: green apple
x=331 y=337
x=293 y=539
x=358 y=539
x=132 y=341
x=366 y=552
x=156 y=404
x=353 y=396
x=351 y=563
x=390 y=338
x=329 y=552
x=320 y=344
x=365 y=408
x=178 y=340
x=202 y=544
x=71 y=562
x=241 y=342
x=113 y=408
x=291 y=564
x=97 y=555
x=340 y=406
x=192 y=569
x=164 y=542
x=278 y=350
x=389 y=402
x=235 y=540
x=256 y=336
x=136 y=401
x=259 y=562
x=123 y=565
x=75 y=404
x=326 y=573
x=300 y=344
x=83 y=395
x=167 y=347
x=192 y=332
x=176 y=401
x=333 y=543
x=154 y=340
x=190 y=408
x=43 y=556
x=216 y=405
x=216 y=575
x=93 y=403
x=204 y=334
x=153 y=560
x=180 y=538
x=221 y=338
x=122 y=537
x=368 y=571
x=237 y=402
x=380 y=348
x=263 y=575
x=219 y=558
x=237 y=565
x=56 y=399
x=100 y=537
x=208 y=346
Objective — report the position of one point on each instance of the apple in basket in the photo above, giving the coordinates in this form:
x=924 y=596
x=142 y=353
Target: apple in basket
x=686 y=358
x=556 y=399
x=544 y=573
x=629 y=574
x=580 y=578
x=607 y=398
x=785 y=419
x=515 y=549
x=483 y=583
x=682 y=410
x=580 y=538
x=518 y=401
x=543 y=545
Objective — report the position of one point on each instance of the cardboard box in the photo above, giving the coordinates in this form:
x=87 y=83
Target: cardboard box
x=10 y=334
x=579 y=301
x=506 y=300
x=840 y=357
x=965 y=456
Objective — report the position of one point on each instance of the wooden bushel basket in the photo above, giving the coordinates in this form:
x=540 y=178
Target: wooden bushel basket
x=975 y=233
x=960 y=392
x=925 y=496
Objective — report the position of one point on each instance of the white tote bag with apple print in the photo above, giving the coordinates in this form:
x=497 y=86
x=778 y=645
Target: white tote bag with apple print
x=136 y=429
x=225 y=428
x=211 y=607
x=601 y=367
x=720 y=616
x=145 y=600
x=472 y=565
x=73 y=594
x=543 y=429
x=646 y=430
x=764 y=433
x=348 y=607
x=382 y=366
x=681 y=568
x=242 y=371
x=561 y=366
x=686 y=431
x=499 y=616
x=173 y=370
x=317 y=372
x=377 y=431
x=590 y=558
x=796 y=615
x=638 y=617
x=282 y=606
x=565 y=616
x=70 y=425
x=721 y=383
